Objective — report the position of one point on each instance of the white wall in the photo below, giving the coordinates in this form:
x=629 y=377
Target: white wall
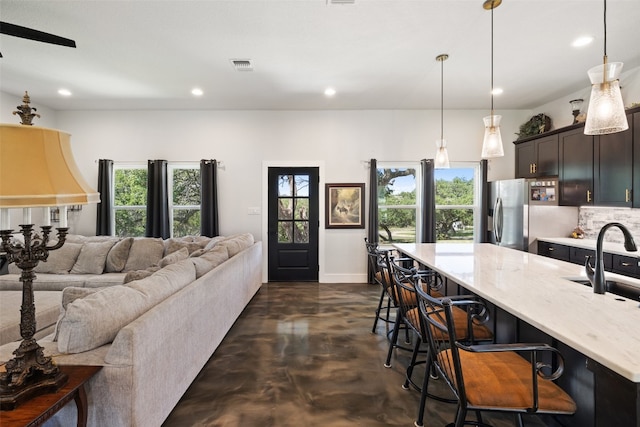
x=245 y=140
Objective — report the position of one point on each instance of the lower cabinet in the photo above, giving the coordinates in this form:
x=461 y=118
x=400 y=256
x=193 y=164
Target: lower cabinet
x=626 y=265
x=553 y=250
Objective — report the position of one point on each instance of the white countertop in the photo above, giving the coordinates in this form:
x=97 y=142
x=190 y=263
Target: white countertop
x=614 y=248
x=605 y=328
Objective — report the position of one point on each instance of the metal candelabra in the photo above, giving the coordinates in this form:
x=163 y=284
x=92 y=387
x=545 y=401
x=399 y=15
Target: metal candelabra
x=30 y=372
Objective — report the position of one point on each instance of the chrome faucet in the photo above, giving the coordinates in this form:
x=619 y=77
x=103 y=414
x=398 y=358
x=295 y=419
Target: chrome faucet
x=596 y=277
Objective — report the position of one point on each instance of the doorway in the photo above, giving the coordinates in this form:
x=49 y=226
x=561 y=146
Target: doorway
x=293 y=223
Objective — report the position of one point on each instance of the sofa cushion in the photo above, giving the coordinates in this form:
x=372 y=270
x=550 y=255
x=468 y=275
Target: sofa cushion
x=175 y=244
x=93 y=257
x=214 y=241
x=209 y=260
x=174 y=257
x=139 y=274
x=145 y=252
x=96 y=319
x=237 y=243
x=118 y=255
x=60 y=261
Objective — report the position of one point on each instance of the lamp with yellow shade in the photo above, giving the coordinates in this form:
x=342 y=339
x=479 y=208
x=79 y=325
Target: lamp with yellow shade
x=37 y=169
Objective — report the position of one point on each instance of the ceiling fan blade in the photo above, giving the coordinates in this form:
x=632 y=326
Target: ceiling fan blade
x=31 y=34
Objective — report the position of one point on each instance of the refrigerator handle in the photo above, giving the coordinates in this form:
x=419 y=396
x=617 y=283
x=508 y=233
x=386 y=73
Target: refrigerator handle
x=497 y=220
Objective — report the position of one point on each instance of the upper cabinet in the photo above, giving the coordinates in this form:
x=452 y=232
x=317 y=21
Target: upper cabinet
x=613 y=168
x=601 y=170
x=576 y=168
x=537 y=158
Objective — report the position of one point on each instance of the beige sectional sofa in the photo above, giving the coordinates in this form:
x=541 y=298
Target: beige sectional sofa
x=153 y=334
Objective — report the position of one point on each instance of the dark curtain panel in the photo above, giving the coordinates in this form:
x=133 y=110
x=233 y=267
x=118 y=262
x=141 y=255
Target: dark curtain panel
x=372 y=232
x=157 y=200
x=428 y=234
x=105 y=178
x=209 y=198
x=484 y=202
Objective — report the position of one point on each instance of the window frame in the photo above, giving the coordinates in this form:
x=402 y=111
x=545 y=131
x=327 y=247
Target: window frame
x=171 y=167
x=477 y=197
x=415 y=165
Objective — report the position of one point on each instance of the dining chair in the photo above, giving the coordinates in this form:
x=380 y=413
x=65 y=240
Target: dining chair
x=508 y=378
x=471 y=321
x=381 y=276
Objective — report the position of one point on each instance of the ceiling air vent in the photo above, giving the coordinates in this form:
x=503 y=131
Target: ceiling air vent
x=242 y=64
x=330 y=2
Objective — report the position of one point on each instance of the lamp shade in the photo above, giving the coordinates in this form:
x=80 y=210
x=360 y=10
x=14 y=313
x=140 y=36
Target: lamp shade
x=492 y=143
x=606 y=112
x=37 y=169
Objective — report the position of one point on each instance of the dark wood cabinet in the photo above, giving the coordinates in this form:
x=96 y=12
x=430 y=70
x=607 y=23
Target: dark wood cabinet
x=553 y=250
x=576 y=168
x=626 y=265
x=537 y=158
x=613 y=168
x=579 y=256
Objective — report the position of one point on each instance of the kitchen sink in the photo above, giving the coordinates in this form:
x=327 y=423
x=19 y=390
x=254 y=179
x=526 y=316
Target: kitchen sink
x=621 y=289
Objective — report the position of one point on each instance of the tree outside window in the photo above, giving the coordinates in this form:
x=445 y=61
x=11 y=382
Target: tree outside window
x=185 y=200
x=456 y=204
x=130 y=200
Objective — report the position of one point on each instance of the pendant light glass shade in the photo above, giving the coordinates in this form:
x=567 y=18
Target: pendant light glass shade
x=492 y=143
x=606 y=112
x=442 y=156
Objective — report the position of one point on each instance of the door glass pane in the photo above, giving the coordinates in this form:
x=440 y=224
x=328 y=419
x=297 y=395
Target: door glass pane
x=302 y=185
x=302 y=232
x=285 y=232
x=285 y=208
x=285 y=183
x=302 y=209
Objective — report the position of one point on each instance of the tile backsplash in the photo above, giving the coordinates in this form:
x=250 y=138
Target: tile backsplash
x=591 y=220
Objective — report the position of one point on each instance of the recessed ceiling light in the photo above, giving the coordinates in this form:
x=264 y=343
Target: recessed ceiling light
x=64 y=92
x=497 y=91
x=329 y=91
x=582 y=41
x=197 y=91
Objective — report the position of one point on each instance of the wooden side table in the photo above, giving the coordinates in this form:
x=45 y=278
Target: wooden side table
x=36 y=411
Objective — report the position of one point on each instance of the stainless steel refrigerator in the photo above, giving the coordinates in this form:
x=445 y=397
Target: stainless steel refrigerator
x=517 y=216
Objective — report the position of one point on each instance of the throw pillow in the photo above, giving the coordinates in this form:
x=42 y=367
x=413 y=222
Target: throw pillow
x=96 y=319
x=139 y=274
x=93 y=257
x=214 y=241
x=118 y=255
x=237 y=243
x=174 y=257
x=61 y=260
x=209 y=260
x=175 y=244
x=145 y=252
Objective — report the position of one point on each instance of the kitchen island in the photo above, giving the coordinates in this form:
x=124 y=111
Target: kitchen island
x=602 y=330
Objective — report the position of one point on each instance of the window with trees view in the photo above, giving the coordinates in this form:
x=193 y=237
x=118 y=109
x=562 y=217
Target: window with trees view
x=456 y=203
x=398 y=204
x=130 y=199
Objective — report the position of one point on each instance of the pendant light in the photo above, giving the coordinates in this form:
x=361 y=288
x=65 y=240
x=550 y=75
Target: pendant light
x=442 y=156
x=492 y=143
x=605 y=113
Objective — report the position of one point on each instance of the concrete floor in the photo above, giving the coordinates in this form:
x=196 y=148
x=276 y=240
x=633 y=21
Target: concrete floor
x=302 y=354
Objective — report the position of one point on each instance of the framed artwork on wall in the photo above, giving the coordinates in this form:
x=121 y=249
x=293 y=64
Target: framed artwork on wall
x=344 y=206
